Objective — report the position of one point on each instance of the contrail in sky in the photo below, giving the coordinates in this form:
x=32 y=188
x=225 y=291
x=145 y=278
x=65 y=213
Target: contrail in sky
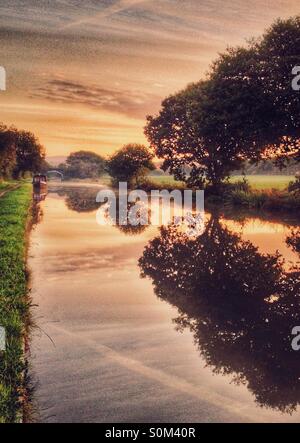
x=110 y=10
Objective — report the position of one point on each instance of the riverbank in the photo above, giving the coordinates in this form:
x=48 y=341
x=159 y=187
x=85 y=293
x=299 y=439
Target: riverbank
x=257 y=182
x=255 y=193
x=14 y=303
x=264 y=192
x=268 y=200
x=268 y=193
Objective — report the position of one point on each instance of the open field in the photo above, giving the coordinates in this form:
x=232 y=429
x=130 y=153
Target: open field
x=259 y=182
x=278 y=182
x=14 y=209
x=167 y=180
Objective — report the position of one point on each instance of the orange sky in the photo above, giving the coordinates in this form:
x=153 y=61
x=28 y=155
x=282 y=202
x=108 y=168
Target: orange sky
x=85 y=74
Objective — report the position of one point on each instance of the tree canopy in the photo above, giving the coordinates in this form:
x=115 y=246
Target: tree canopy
x=20 y=152
x=84 y=164
x=202 y=128
x=131 y=163
x=265 y=69
x=30 y=154
x=279 y=52
x=7 y=152
x=245 y=109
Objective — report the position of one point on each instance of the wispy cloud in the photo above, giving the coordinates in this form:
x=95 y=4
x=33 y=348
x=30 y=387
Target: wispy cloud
x=98 y=60
x=128 y=102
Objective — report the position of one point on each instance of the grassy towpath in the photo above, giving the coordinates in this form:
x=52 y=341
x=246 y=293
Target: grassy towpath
x=14 y=306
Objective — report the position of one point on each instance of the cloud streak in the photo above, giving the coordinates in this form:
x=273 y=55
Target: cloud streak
x=130 y=103
x=113 y=60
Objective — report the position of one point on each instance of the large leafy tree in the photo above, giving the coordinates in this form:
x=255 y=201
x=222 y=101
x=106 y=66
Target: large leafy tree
x=30 y=154
x=279 y=52
x=131 y=163
x=84 y=164
x=7 y=151
x=201 y=129
x=269 y=106
x=246 y=109
x=20 y=152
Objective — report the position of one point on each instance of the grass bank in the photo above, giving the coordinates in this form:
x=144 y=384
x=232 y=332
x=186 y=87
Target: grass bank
x=266 y=192
x=14 y=305
x=269 y=200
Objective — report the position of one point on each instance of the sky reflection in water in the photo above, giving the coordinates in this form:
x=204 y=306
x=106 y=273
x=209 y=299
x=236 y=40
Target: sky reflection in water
x=233 y=298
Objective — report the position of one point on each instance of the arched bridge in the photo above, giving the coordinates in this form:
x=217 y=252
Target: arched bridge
x=53 y=171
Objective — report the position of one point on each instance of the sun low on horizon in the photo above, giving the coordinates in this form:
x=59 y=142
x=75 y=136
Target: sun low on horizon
x=84 y=75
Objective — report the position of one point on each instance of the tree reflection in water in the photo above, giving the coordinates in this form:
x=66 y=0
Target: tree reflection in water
x=84 y=200
x=240 y=305
x=293 y=240
x=80 y=199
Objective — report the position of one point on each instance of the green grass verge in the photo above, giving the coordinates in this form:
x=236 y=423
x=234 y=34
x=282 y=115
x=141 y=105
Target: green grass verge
x=14 y=210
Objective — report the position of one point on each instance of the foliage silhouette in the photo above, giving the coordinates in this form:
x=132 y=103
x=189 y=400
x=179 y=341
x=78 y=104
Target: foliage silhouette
x=83 y=164
x=293 y=240
x=80 y=199
x=130 y=164
x=239 y=304
x=84 y=200
x=245 y=109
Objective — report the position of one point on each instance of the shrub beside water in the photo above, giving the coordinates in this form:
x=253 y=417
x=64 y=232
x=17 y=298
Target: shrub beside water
x=271 y=200
x=294 y=186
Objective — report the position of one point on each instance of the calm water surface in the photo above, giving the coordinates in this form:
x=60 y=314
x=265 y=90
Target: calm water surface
x=111 y=346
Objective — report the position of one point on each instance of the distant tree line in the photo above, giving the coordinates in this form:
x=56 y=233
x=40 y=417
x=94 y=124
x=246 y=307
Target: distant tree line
x=262 y=167
x=20 y=153
x=83 y=164
x=269 y=167
x=129 y=164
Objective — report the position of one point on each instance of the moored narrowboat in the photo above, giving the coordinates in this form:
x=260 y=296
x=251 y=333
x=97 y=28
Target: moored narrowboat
x=39 y=180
